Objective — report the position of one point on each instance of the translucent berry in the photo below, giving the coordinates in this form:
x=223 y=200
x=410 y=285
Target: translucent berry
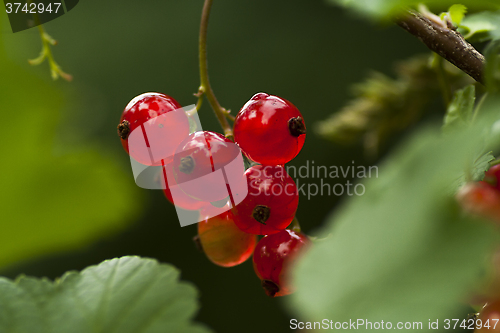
x=480 y=199
x=209 y=167
x=151 y=127
x=492 y=176
x=271 y=202
x=272 y=258
x=174 y=194
x=270 y=130
x=223 y=243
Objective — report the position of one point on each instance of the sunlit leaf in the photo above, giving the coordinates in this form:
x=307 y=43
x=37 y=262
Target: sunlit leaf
x=126 y=295
x=404 y=251
x=457 y=13
x=481 y=26
x=381 y=9
x=459 y=113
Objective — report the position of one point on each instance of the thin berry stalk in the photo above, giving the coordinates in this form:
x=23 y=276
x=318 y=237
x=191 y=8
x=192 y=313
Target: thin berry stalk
x=205 y=87
x=46 y=53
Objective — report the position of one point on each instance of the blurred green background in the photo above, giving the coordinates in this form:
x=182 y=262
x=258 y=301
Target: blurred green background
x=68 y=197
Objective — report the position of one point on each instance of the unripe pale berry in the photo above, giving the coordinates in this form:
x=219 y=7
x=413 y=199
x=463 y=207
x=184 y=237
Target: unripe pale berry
x=224 y=243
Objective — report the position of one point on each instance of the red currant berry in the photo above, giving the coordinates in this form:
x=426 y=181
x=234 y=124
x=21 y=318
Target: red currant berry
x=223 y=243
x=270 y=130
x=488 y=318
x=151 y=127
x=272 y=258
x=271 y=202
x=492 y=176
x=480 y=199
x=175 y=195
x=206 y=163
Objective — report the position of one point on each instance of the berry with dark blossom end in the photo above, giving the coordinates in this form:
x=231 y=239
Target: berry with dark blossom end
x=174 y=194
x=223 y=243
x=151 y=127
x=273 y=258
x=492 y=176
x=271 y=202
x=480 y=199
x=205 y=164
x=269 y=129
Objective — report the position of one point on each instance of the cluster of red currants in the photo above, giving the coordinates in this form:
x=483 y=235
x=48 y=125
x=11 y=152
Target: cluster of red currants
x=270 y=131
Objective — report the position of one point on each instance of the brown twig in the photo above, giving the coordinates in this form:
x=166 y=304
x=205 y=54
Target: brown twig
x=445 y=41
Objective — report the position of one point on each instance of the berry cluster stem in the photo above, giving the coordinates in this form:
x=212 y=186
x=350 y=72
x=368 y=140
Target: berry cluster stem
x=295 y=226
x=205 y=87
x=46 y=53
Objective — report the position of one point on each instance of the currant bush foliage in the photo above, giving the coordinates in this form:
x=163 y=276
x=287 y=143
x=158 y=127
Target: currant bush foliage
x=74 y=194
x=403 y=251
x=125 y=295
x=460 y=110
x=382 y=9
x=493 y=67
x=481 y=26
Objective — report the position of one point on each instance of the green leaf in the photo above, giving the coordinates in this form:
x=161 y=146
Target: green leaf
x=482 y=165
x=383 y=9
x=403 y=251
x=54 y=196
x=125 y=295
x=481 y=26
x=457 y=13
x=476 y=170
x=460 y=110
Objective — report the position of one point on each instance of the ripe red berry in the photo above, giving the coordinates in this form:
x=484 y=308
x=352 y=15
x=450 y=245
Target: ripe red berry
x=223 y=243
x=206 y=163
x=272 y=258
x=480 y=199
x=489 y=317
x=151 y=126
x=270 y=130
x=492 y=176
x=174 y=194
x=271 y=202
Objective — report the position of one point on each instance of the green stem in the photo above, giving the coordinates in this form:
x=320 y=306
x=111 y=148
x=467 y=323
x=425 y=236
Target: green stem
x=205 y=87
x=46 y=53
x=295 y=226
x=495 y=162
x=200 y=99
x=478 y=106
